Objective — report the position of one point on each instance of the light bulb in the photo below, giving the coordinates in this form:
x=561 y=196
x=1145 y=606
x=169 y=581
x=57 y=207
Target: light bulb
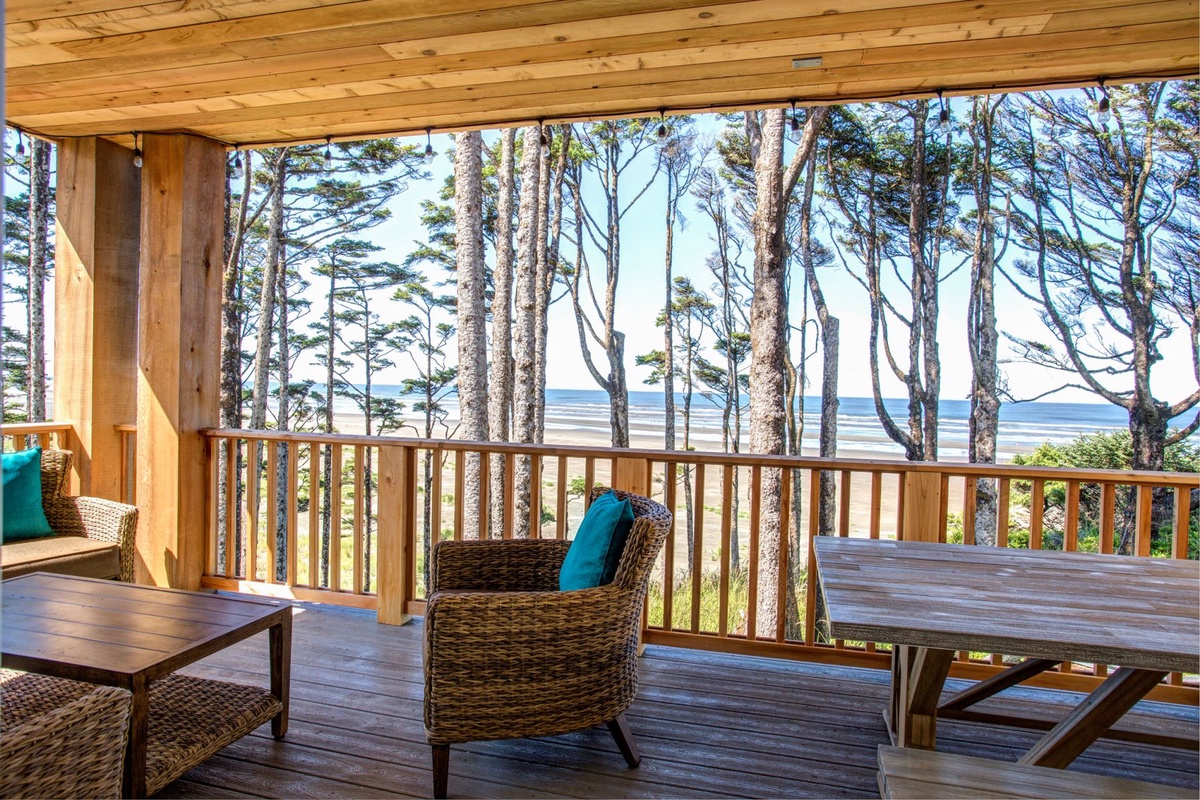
x=237 y=166
x=662 y=130
x=20 y=146
x=137 y=157
x=429 y=154
x=1103 y=112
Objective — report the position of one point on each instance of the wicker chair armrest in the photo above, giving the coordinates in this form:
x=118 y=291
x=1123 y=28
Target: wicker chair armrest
x=75 y=750
x=506 y=565
x=97 y=519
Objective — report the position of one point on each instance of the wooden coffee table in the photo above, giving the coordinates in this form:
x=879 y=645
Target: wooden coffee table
x=124 y=635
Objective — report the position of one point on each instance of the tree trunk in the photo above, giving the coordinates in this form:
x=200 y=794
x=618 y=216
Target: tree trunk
x=282 y=423
x=982 y=336
x=768 y=330
x=39 y=248
x=545 y=278
x=668 y=328
x=525 y=322
x=266 y=306
x=472 y=315
x=500 y=397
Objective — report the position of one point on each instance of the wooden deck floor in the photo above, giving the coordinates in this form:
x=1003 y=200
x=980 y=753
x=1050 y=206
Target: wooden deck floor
x=708 y=725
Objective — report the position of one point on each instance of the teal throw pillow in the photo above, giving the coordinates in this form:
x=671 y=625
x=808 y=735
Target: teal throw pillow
x=596 y=550
x=23 y=514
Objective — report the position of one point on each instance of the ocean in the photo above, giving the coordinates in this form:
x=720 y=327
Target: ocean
x=579 y=415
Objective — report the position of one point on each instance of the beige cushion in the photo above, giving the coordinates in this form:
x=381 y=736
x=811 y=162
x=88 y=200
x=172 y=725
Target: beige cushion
x=69 y=555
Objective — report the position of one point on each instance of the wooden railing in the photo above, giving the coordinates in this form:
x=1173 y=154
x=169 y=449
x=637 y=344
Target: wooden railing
x=703 y=595
x=21 y=435
x=706 y=595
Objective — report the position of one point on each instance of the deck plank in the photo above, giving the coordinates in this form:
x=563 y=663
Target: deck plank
x=709 y=725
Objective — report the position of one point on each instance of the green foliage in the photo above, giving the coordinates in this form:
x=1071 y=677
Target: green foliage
x=1111 y=451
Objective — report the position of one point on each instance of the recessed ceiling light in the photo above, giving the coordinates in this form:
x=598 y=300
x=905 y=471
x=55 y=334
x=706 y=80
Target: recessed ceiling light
x=799 y=63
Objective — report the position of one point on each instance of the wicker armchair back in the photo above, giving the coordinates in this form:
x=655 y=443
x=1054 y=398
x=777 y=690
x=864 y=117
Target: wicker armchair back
x=507 y=655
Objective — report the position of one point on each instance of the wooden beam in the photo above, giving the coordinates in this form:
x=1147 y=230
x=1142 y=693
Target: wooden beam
x=179 y=331
x=95 y=301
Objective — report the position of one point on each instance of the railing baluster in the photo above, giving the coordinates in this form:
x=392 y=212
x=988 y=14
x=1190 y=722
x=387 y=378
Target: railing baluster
x=943 y=511
x=876 y=503
x=899 y=505
x=316 y=455
x=843 y=504
x=252 y=484
x=272 y=512
x=357 y=536
x=1108 y=517
x=1037 y=504
x=535 y=498
x=814 y=529
x=293 y=486
x=1143 y=532
x=1002 y=513
x=970 y=490
x=785 y=508
x=589 y=480
x=670 y=477
x=213 y=500
x=335 y=521
x=1180 y=525
x=697 y=543
x=510 y=462
x=1071 y=527
x=485 y=494
x=460 y=500
x=726 y=539
x=755 y=513
x=560 y=510
x=231 y=504
x=435 y=502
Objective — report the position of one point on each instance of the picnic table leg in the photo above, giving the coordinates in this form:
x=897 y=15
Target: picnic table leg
x=918 y=675
x=133 y=779
x=1089 y=720
x=281 y=667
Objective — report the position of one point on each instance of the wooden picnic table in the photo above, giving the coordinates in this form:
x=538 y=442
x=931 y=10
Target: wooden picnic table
x=931 y=600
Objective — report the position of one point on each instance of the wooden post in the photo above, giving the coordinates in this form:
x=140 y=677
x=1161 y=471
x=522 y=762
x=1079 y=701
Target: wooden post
x=632 y=475
x=179 y=327
x=922 y=506
x=95 y=308
x=395 y=508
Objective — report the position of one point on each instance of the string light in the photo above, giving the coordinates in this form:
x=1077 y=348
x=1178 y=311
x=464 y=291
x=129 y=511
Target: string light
x=662 y=123
x=795 y=121
x=137 y=149
x=328 y=153
x=1104 y=106
x=20 y=152
x=428 y=145
x=543 y=137
x=237 y=163
x=943 y=116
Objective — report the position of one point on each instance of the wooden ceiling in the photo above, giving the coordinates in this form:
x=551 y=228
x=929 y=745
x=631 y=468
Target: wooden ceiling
x=257 y=72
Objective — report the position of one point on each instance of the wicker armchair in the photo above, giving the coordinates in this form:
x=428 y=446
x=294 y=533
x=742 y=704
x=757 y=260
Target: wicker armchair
x=507 y=655
x=61 y=738
x=90 y=517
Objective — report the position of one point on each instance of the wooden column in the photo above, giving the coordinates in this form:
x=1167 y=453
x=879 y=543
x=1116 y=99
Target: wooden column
x=395 y=528
x=922 y=506
x=95 y=307
x=179 y=371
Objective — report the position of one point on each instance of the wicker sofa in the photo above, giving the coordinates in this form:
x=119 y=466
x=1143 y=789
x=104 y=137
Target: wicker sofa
x=508 y=655
x=93 y=538
x=61 y=738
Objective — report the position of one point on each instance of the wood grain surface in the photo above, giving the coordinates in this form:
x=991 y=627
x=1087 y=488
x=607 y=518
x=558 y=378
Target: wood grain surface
x=260 y=72
x=1127 y=611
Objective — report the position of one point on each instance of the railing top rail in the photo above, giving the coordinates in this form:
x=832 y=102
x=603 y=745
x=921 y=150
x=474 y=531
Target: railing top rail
x=1171 y=479
x=26 y=428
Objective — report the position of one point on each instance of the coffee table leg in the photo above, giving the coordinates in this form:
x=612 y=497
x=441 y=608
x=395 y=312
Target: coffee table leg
x=281 y=669
x=134 y=778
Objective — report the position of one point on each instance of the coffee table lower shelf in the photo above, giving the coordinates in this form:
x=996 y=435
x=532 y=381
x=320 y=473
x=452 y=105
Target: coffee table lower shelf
x=192 y=718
